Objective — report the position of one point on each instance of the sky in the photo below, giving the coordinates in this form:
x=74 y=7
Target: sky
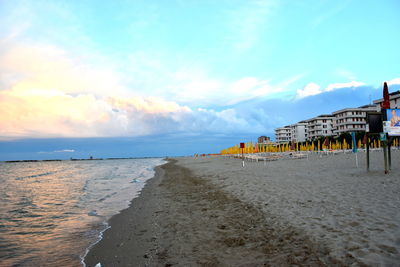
x=167 y=78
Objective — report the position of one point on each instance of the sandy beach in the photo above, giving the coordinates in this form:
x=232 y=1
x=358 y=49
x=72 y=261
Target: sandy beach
x=315 y=211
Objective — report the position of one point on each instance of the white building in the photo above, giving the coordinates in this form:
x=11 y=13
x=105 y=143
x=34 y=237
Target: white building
x=351 y=119
x=320 y=126
x=394 y=100
x=299 y=131
x=283 y=134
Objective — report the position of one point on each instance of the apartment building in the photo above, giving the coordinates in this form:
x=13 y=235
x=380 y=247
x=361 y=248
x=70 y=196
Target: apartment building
x=299 y=131
x=283 y=134
x=263 y=139
x=344 y=120
x=321 y=125
x=351 y=119
x=394 y=100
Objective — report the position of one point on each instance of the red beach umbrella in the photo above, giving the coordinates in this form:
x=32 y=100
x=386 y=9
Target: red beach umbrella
x=386 y=102
x=364 y=140
x=326 y=143
x=292 y=146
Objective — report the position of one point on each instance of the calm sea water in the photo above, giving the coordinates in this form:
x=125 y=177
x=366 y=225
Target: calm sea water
x=52 y=212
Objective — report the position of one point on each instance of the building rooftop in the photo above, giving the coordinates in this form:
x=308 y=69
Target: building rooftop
x=369 y=107
x=392 y=95
x=321 y=117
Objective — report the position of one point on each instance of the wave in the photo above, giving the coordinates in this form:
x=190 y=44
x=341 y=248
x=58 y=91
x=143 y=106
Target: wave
x=34 y=176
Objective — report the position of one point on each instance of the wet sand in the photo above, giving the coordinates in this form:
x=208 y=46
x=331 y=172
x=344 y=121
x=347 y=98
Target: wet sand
x=320 y=211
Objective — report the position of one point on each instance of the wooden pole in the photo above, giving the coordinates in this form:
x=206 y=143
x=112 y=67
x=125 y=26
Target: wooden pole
x=389 y=153
x=385 y=156
x=242 y=158
x=367 y=157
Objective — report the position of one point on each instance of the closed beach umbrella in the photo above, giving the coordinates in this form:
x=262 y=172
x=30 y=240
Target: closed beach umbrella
x=364 y=140
x=326 y=143
x=353 y=138
x=386 y=102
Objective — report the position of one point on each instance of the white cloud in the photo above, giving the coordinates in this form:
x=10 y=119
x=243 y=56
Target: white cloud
x=309 y=90
x=195 y=87
x=329 y=14
x=51 y=114
x=393 y=81
x=292 y=80
x=65 y=151
x=247 y=23
x=346 y=74
x=57 y=151
x=47 y=92
x=335 y=86
x=314 y=89
x=49 y=67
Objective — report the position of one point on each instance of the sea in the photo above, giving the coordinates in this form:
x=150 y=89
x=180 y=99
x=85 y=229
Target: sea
x=52 y=212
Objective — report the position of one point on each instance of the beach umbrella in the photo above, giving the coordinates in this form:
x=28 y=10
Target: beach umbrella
x=353 y=138
x=364 y=140
x=326 y=143
x=386 y=102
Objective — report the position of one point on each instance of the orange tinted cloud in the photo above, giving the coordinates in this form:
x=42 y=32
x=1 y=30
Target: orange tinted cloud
x=47 y=93
x=52 y=113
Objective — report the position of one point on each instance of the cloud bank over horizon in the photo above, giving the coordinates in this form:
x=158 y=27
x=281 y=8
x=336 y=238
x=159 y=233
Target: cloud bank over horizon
x=47 y=93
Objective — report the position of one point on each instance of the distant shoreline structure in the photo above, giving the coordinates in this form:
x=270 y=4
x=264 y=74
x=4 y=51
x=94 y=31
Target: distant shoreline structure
x=72 y=159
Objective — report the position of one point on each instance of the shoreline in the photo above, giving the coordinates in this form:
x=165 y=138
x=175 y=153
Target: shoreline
x=100 y=237
x=98 y=250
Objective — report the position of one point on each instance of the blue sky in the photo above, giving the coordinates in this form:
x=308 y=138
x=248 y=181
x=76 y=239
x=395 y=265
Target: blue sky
x=142 y=78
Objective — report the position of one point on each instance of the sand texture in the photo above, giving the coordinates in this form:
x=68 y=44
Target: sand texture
x=320 y=211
